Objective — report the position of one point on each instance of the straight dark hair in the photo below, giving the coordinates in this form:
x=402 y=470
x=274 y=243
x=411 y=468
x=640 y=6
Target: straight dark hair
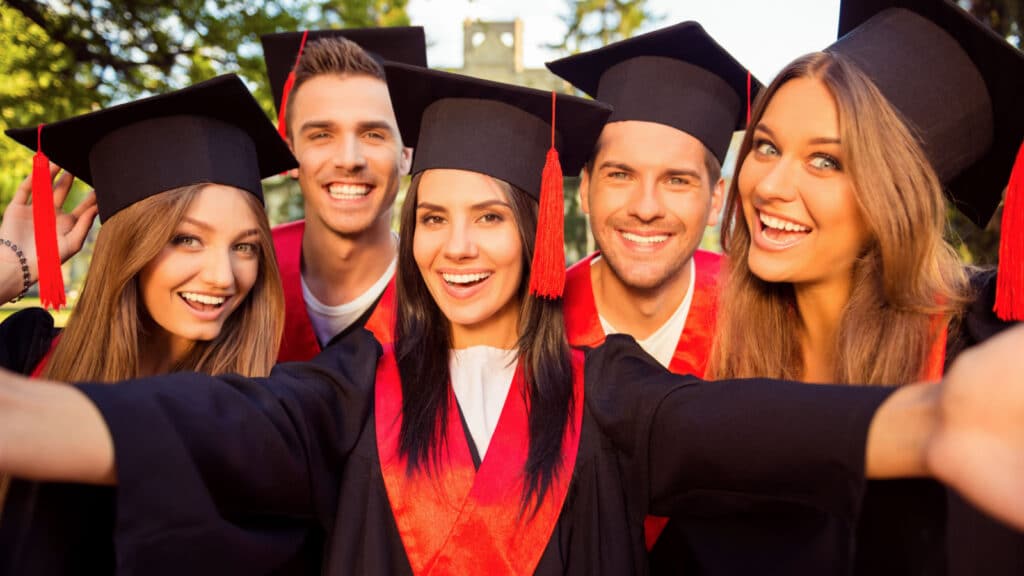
x=423 y=345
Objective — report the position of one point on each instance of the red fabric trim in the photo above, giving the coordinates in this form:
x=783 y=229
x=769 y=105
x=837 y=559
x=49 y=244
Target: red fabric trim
x=37 y=372
x=460 y=520
x=935 y=365
x=382 y=320
x=299 y=341
x=582 y=326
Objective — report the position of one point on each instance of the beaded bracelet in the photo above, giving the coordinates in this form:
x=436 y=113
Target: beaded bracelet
x=25 y=277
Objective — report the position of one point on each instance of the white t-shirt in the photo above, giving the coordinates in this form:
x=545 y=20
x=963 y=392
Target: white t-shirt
x=481 y=377
x=329 y=321
x=661 y=345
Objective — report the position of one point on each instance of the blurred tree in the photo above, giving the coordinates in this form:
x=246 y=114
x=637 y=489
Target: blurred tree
x=594 y=23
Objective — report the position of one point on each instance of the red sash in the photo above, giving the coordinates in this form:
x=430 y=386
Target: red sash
x=583 y=328
x=37 y=372
x=458 y=520
x=935 y=366
x=298 y=342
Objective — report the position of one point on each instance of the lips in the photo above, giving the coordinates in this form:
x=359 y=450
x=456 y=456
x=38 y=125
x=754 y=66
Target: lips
x=348 y=191
x=776 y=233
x=206 y=306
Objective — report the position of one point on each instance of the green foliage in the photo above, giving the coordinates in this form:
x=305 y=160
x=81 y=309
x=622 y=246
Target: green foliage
x=594 y=23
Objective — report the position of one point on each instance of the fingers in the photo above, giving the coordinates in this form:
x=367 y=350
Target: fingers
x=89 y=201
x=22 y=191
x=61 y=187
x=76 y=236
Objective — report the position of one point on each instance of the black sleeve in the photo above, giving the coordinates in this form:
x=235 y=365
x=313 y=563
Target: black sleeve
x=979 y=322
x=785 y=441
x=228 y=474
x=25 y=338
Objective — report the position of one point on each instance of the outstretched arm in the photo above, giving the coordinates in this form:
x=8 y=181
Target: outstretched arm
x=51 y=431
x=17 y=228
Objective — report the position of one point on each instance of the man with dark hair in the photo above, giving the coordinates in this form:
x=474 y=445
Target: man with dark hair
x=338 y=264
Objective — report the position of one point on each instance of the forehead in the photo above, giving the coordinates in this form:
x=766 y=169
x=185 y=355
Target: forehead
x=802 y=108
x=342 y=98
x=452 y=188
x=649 y=145
x=224 y=207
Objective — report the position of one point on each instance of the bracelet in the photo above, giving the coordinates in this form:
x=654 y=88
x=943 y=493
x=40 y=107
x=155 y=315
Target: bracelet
x=25 y=277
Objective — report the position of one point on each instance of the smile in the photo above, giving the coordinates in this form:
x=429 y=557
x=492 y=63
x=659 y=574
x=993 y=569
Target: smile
x=202 y=302
x=777 y=233
x=465 y=279
x=645 y=239
x=348 y=191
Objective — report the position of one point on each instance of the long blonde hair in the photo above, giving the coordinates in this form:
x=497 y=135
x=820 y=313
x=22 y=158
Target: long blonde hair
x=907 y=276
x=106 y=333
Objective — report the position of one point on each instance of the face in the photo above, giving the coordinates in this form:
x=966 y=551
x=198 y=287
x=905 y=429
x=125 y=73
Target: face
x=798 y=201
x=344 y=135
x=469 y=252
x=206 y=270
x=649 y=200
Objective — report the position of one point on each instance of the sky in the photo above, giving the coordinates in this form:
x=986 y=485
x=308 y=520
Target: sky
x=764 y=35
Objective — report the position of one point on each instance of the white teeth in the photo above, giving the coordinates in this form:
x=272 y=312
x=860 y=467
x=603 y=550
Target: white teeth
x=343 y=191
x=780 y=224
x=203 y=298
x=657 y=239
x=464 y=278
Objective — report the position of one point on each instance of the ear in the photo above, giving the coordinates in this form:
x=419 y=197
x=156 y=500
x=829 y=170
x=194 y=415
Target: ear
x=717 y=197
x=405 y=161
x=584 y=191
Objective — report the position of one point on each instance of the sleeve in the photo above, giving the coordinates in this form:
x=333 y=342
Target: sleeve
x=979 y=322
x=229 y=474
x=773 y=440
x=25 y=338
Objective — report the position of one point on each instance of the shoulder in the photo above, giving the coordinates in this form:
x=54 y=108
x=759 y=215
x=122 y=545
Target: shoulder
x=25 y=338
x=979 y=322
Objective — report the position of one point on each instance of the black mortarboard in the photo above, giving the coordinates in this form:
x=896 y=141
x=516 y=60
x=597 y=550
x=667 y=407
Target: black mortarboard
x=959 y=86
x=214 y=132
x=956 y=82
x=677 y=76
x=406 y=44
x=503 y=131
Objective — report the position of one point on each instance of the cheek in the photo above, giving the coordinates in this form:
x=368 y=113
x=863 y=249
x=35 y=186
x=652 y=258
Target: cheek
x=157 y=277
x=246 y=270
x=424 y=247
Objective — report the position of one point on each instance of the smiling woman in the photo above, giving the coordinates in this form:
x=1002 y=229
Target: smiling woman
x=183 y=277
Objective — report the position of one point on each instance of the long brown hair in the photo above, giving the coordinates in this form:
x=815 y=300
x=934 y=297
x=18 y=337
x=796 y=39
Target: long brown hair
x=907 y=276
x=107 y=331
x=423 y=342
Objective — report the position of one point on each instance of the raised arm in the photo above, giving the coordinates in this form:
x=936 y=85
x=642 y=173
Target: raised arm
x=17 y=237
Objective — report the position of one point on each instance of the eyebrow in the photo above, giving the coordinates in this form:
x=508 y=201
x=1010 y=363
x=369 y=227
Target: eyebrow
x=210 y=228
x=361 y=126
x=478 y=206
x=820 y=140
x=620 y=165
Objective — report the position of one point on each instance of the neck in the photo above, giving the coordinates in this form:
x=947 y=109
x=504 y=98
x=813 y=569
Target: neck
x=501 y=331
x=338 y=268
x=633 y=311
x=162 y=353
x=821 y=308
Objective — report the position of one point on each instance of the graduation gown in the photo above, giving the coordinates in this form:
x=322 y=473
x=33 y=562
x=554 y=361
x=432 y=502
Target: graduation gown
x=50 y=528
x=583 y=326
x=235 y=475
x=919 y=527
x=299 y=341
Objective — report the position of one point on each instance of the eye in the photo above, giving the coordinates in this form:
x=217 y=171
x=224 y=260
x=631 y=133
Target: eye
x=617 y=175
x=375 y=135
x=431 y=220
x=825 y=162
x=186 y=241
x=320 y=135
x=679 y=181
x=492 y=218
x=248 y=248
x=765 y=148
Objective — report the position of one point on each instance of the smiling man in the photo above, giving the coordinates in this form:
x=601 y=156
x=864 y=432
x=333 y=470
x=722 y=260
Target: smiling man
x=651 y=187
x=338 y=265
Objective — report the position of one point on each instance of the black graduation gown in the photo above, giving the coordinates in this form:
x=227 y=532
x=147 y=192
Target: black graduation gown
x=50 y=528
x=243 y=476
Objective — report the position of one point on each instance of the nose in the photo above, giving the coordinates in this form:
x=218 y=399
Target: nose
x=777 y=182
x=349 y=154
x=647 y=205
x=218 y=269
x=461 y=243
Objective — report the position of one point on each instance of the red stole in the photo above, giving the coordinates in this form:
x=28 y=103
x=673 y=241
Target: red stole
x=299 y=341
x=455 y=519
x=37 y=372
x=583 y=328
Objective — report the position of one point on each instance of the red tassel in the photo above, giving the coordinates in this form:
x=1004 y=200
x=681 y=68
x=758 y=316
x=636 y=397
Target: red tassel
x=748 y=98
x=44 y=217
x=289 y=83
x=547 y=277
x=1010 y=283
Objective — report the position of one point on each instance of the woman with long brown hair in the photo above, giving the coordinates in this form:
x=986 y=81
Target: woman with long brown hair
x=479 y=442
x=182 y=277
x=834 y=231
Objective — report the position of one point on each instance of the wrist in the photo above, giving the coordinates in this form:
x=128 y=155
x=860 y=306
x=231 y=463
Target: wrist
x=23 y=271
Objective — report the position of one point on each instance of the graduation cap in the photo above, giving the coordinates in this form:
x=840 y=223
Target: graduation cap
x=677 y=76
x=959 y=86
x=520 y=135
x=214 y=132
x=282 y=51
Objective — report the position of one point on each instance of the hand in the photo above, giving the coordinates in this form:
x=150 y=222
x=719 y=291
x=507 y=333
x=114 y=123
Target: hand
x=978 y=445
x=72 y=228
